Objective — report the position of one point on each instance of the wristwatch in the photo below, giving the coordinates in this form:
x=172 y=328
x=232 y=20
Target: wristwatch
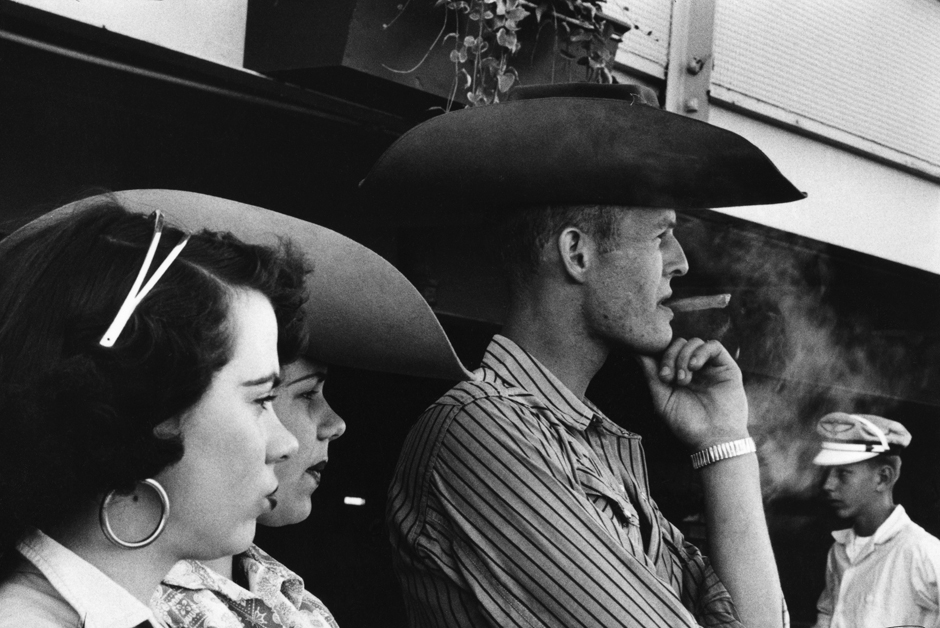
x=723 y=451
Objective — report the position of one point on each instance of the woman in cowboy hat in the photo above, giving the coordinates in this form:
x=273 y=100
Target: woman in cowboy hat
x=137 y=369
x=361 y=312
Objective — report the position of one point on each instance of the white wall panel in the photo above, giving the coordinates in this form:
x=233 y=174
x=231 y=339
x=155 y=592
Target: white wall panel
x=853 y=202
x=862 y=72
x=646 y=47
x=210 y=29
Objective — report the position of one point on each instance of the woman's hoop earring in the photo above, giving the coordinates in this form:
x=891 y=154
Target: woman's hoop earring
x=164 y=515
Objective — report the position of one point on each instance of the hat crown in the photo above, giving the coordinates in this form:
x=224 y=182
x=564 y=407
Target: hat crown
x=633 y=94
x=862 y=428
x=850 y=438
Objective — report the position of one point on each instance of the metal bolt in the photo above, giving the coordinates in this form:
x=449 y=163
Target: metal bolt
x=691 y=105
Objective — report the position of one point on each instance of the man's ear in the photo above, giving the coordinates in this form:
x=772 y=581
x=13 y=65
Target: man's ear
x=575 y=252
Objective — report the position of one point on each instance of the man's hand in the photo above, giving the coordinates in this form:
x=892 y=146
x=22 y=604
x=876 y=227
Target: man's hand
x=697 y=389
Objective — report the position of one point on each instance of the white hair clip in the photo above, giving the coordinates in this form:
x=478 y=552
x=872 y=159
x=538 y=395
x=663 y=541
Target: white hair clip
x=137 y=294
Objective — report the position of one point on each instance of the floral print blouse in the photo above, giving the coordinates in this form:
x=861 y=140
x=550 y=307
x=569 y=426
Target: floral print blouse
x=194 y=596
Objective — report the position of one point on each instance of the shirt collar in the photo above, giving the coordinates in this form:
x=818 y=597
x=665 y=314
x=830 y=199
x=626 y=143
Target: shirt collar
x=195 y=576
x=99 y=601
x=892 y=525
x=885 y=532
x=263 y=572
x=515 y=366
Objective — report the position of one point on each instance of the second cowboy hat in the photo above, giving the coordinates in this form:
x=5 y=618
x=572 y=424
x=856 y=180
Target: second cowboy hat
x=571 y=144
x=360 y=310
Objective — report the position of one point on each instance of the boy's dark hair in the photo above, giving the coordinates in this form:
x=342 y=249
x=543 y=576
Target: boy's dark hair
x=77 y=419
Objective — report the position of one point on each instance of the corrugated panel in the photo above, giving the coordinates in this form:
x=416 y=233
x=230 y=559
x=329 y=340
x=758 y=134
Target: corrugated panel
x=863 y=72
x=646 y=47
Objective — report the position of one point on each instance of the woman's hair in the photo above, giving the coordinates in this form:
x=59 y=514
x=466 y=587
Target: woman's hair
x=77 y=419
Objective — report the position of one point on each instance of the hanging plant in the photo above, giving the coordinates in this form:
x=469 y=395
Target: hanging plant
x=484 y=40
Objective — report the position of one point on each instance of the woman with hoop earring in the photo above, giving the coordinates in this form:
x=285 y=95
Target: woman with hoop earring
x=137 y=370
x=362 y=313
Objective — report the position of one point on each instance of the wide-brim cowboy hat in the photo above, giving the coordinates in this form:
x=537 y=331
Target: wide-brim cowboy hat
x=573 y=144
x=360 y=311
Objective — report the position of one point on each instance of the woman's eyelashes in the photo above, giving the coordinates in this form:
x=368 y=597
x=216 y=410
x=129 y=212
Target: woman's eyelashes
x=315 y=389
x=267 y=400
x=312 y=393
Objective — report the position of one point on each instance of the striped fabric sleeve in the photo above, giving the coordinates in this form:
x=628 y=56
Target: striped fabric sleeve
x=701 y=589
x=507 y=537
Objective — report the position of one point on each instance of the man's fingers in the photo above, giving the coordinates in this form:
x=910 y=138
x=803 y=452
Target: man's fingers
x=682 y=358
x=667 y=363
x=682 y=366
x=712 y=352
x=685 y=357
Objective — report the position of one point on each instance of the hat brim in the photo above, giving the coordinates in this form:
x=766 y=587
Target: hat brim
x=833 y=458
x=360 y=311
x=570 y=151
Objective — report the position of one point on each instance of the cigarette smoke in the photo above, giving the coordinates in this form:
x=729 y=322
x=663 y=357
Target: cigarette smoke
x=806 y=349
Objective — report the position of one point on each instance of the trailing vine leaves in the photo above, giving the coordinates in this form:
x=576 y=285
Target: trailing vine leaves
x=485 y=38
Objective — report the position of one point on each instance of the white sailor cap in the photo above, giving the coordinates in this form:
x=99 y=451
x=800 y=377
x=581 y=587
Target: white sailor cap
x=850 y=438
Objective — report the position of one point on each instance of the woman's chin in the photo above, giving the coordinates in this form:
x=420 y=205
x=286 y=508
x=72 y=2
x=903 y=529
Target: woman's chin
x=288 y=512
x=236 y=542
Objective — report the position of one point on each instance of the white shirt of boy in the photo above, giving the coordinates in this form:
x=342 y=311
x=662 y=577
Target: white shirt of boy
x=887 y=579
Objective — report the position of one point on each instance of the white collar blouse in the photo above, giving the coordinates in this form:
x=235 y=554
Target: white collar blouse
x=54 y=587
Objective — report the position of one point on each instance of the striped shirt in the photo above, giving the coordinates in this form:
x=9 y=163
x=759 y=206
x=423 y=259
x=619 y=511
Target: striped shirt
x=517 y=504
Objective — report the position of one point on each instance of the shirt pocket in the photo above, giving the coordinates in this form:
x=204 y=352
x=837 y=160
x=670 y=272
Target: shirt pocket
x=610 y=501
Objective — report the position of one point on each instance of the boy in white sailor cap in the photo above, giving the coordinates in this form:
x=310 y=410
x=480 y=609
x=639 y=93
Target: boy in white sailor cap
x=883 y=571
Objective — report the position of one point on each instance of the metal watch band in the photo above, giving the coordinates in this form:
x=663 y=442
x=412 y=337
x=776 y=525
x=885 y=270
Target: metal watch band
x=723 y=451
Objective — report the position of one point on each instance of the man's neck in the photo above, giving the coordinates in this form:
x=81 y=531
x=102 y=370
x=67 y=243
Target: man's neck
x=868 y=522
x=558 y=345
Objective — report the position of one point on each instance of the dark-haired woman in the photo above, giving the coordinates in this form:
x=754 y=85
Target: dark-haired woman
x=137 y=369
x=361 y=312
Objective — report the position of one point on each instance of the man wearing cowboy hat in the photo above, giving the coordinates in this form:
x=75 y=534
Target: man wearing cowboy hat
x=883 y=571
x=516 y=502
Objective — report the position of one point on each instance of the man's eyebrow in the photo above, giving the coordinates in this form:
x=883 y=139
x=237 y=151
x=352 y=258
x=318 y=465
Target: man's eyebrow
x=273 y=377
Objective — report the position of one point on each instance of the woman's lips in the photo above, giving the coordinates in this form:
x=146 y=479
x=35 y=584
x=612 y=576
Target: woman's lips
x=270 y=500
x=316 y=470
